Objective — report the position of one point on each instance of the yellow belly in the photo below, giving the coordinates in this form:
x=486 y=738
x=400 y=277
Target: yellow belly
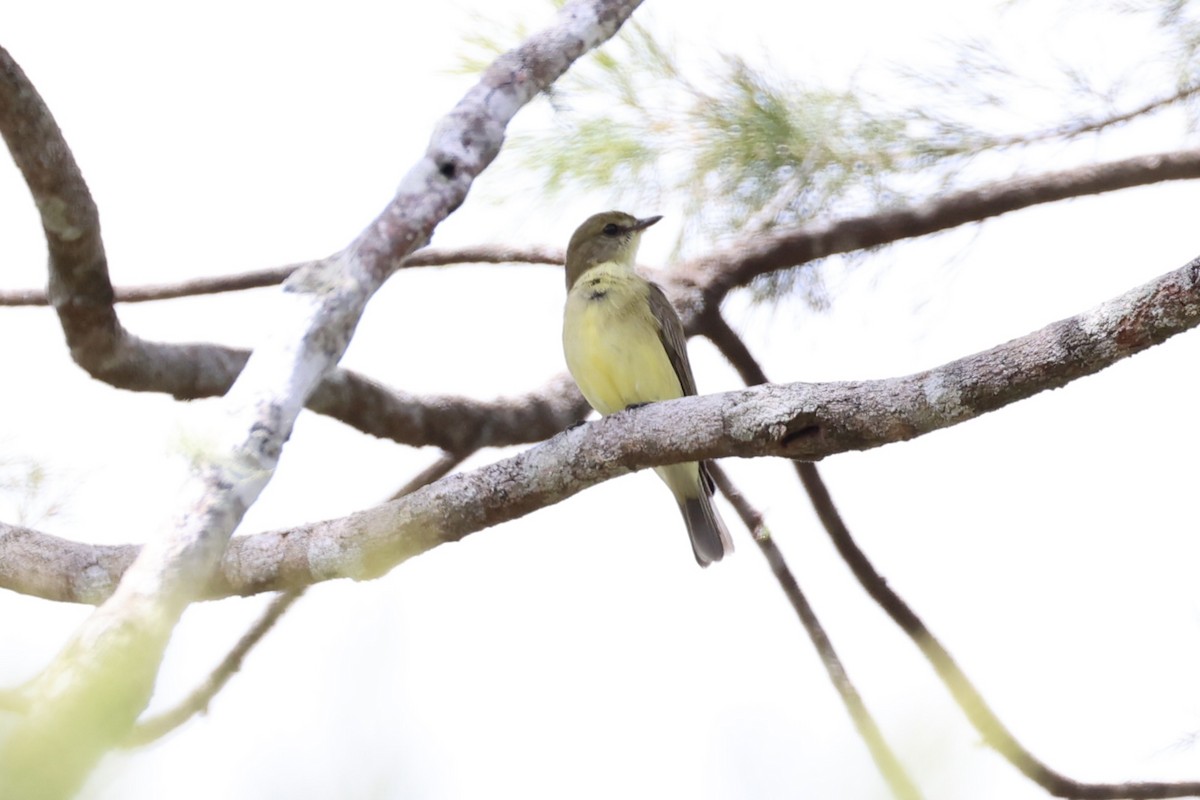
x=614 y=352
x=612 y=344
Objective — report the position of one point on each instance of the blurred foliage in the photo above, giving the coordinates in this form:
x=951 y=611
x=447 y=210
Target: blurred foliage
x=982 y=102
x=30 y=493
x=742 y=148
x=1180 y=20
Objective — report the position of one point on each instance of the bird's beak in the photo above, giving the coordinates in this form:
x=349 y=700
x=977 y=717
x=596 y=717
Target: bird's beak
x=642 y=224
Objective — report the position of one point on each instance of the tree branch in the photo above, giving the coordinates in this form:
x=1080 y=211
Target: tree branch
x=453 y=423
x=798 y=421
x=968 y=698
x=89 y=697
x=1095 y=125
x=982 y=717
x=200 y=370
x=154 y=728
x=257 y=279
x=889 y=765
x=53 y=568
x=745 y=259
x=197 y=702
x=83 y=297
x=79 y=281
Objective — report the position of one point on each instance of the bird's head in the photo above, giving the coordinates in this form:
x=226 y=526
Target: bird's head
x=610 y=237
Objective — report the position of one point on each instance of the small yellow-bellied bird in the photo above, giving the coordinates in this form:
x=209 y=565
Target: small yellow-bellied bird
x=625 y=346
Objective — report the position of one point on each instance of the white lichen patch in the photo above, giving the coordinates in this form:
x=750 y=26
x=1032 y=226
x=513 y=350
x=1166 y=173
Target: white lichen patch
x=56 y=218
x=93 y=584
x=940 y=393
x=328 y=558
x=1098 y=321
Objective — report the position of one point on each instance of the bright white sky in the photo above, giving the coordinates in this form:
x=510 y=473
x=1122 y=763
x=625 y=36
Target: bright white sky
x=1050 y=545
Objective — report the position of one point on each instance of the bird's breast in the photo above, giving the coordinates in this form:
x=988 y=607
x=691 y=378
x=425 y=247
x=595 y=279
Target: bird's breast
x=612 y=344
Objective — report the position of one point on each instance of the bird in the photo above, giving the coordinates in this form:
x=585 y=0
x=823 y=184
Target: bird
x=624 y=345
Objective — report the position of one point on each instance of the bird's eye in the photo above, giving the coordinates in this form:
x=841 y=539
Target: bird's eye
x=612 y=229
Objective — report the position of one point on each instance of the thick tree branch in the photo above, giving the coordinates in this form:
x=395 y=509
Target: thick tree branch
x=197 y=370
x=969 y=699
x=889 y=765
x=453 y=423
x=71 y=224
x=83 y=297
x=738 y=263
x=198 y=701
x=53 y=568
x=89 y=697
x=799 y=421
x=79 y=286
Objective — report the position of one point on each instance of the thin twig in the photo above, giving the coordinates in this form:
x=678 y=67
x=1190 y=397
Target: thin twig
x=158 y=726
x=435 y=471
x=993 y=731
x=741 y=260
x=198 y=701
x=1095 y=125
x=969 y=699
x=257 y=279
x=889 y=765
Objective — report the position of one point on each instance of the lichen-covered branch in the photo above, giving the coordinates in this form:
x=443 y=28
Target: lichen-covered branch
x=90 y=695
x=798 y=421
x=697 y=287
x=83 y=297
x=79 y=286
x=53 y=568
x=454 y=423
x=198 y=701
x=990 y=727
x=741 y=260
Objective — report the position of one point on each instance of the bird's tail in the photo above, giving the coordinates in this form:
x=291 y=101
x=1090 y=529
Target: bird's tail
x=710 y=538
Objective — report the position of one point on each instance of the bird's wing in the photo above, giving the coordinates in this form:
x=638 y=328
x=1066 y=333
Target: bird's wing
x=674 y=341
